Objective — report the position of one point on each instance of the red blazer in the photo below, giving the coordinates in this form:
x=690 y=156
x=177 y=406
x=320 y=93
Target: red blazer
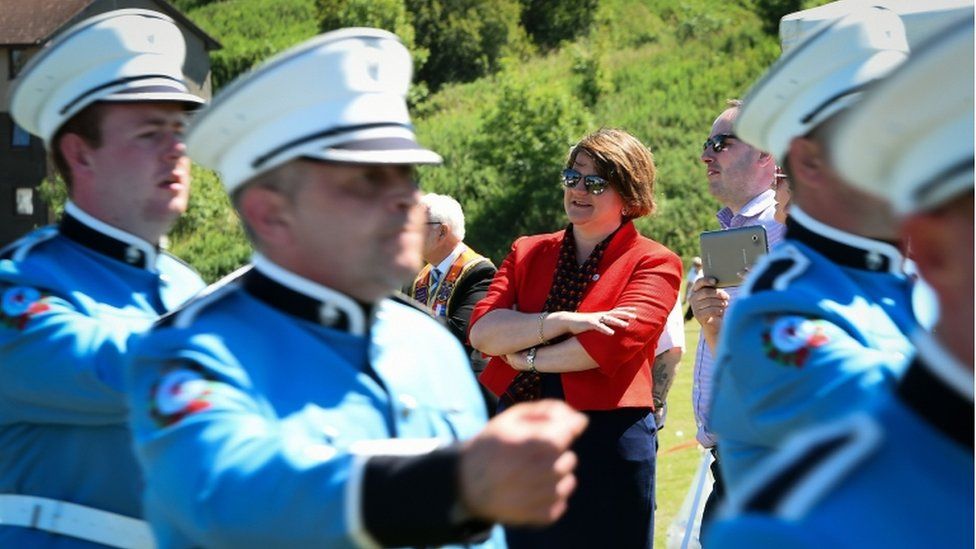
x=634 y=271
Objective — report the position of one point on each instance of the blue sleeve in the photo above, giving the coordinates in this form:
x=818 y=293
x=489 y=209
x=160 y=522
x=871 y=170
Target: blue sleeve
x=753 y=531
x=57 y=364
x=227 y=471
x=781 y=373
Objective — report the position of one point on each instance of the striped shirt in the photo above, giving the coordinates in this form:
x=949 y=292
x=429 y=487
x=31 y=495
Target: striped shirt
x=758 y=211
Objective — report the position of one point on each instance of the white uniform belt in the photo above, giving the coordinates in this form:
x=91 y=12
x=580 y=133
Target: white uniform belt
x=77 y=521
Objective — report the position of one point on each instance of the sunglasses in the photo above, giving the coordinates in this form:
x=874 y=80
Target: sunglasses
x=594 y=184
x=718 y=142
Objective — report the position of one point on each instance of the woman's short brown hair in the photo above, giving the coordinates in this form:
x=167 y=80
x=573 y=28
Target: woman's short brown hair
x=626 y=163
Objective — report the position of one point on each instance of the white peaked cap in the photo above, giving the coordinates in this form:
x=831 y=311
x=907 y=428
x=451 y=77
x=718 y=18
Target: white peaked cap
x=923 y=19
x=819 y=77
x=910 y=139
x=120 y=56
x=339 y=97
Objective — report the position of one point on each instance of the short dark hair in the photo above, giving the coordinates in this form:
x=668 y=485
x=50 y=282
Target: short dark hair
x=286 y=179
x=87 y=124
x=626 y=163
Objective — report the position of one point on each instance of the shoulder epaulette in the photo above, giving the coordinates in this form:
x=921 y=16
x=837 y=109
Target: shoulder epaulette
x=177 y=259
x=776 y=270
x=183 y=316
x=812 y=463
x=19 y=248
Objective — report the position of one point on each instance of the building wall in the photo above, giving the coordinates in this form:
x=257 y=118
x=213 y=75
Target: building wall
x=21 y=167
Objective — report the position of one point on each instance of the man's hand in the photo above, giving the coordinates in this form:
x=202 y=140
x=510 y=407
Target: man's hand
x=708 y=303
x=519 y=470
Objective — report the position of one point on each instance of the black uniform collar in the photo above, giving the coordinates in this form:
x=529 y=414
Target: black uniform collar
x=300 y=297
x=940 y=389
x=107 y=240
x=843 y=248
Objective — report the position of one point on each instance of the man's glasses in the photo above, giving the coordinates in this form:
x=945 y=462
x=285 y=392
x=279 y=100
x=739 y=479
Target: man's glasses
x=594 y=184
x=718 y=142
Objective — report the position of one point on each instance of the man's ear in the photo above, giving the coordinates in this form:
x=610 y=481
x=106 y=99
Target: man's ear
x=806 y=161
x=765 y=159
x=932 y=247
x=268 y=213
x=76 y=152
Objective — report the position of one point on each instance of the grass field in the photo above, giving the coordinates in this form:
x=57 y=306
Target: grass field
x=678 y=452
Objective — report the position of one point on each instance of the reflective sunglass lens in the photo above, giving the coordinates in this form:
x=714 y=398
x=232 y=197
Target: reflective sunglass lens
x=593 y=184
x=570 y=178
x=718 y=143
x=597 y=186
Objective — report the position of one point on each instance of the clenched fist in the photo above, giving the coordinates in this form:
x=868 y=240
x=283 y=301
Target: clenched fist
x=519 y=469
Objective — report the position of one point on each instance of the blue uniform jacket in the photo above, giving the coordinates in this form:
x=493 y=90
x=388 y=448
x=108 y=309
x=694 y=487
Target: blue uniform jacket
x=72 y=295
x=819 y=330
x=276 y=412
x=899 y=477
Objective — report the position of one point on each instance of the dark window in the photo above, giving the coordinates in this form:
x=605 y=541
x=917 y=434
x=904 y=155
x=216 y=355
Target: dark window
x=16 y=57
x=18 y=136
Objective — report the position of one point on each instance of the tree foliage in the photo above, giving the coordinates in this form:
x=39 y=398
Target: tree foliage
x=771 y=11
x=592 y=80
x=187 y=5
x=209 y=235
x=253 y=30
x=524 y=138
x=389 y=15
x=552 y=22
x=467 y=39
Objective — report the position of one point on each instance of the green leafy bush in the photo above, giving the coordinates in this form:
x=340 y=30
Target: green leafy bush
x=53 y=192
x=253 y=30
x=466 y=39
x=525 y=137
x=593 y=81
x=209 y=235
x=389 y=15
x=771 y=11
x=552 y=22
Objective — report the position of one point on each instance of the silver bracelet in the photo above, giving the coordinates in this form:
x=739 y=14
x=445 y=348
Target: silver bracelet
x=542 y=335
x=530 y=360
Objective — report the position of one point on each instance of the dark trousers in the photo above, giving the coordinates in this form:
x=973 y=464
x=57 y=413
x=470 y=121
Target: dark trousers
x=715 y=498
x=613 y=505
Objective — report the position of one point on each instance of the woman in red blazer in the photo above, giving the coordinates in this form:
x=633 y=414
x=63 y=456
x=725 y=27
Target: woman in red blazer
x=575 y=315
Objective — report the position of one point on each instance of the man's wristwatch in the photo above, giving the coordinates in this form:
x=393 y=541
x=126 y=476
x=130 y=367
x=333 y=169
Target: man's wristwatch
x=530 y=359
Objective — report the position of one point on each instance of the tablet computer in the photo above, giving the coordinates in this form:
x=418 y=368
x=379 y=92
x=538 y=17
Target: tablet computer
x=729 y=253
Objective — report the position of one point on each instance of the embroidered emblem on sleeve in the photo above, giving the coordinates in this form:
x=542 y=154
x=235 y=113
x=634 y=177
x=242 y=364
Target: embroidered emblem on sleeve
x=791 y=339
x=178 y=394
x=19 y=303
